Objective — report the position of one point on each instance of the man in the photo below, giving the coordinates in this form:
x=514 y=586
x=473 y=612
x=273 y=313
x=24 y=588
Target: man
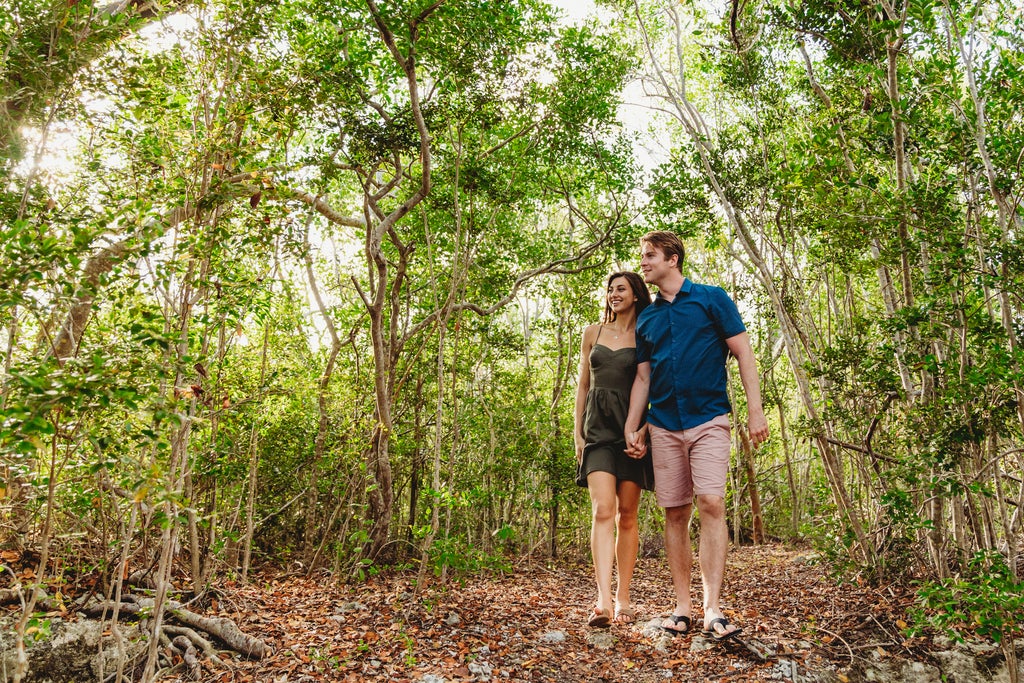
x=683 y=341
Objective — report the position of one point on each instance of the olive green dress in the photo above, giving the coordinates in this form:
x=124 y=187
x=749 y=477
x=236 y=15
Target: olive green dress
x=604 y=417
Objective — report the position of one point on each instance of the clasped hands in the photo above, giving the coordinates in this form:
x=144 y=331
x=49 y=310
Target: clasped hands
x=636 y=443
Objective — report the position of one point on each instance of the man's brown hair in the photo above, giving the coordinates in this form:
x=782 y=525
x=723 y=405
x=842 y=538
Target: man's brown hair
x=668 y=243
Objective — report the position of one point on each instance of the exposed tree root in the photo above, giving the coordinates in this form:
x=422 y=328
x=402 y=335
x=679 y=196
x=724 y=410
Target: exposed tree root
x=224 y=629
x=184 y=646
x=184 y=632
x=202 y=643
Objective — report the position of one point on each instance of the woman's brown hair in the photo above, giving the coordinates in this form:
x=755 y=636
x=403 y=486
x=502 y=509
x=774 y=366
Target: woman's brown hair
x=639 y=287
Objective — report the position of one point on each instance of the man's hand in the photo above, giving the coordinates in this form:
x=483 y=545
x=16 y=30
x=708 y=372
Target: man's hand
x=636 y=443
x=757 y=427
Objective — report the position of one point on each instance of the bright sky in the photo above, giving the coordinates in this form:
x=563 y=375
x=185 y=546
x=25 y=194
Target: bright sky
x=633 y=114
x=56 y=158
x=575 y=9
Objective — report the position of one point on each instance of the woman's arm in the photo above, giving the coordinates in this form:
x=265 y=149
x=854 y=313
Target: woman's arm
x=583 y=387
x=635 y=433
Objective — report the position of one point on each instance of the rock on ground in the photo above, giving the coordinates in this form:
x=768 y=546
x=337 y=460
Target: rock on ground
x=70 y=654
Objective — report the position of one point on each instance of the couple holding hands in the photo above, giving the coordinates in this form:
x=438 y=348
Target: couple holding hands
x=654 y=373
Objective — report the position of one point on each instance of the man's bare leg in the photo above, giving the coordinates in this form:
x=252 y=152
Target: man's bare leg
x=680 y=559
x=714 y=544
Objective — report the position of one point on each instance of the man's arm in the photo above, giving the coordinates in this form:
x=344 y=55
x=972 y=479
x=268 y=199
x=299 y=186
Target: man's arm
x=636 y=443
x=757 y=425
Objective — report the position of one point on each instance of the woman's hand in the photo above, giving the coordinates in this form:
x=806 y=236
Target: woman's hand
x=636 y=442
x=580 y=443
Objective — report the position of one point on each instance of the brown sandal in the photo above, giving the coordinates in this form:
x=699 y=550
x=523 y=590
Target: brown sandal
x=625 y=615
x=600 y=618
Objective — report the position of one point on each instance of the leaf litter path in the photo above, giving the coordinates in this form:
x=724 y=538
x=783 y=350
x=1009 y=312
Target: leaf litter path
x=530 y=626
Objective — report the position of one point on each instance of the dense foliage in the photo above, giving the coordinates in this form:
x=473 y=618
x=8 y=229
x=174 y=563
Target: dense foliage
x=306 y=279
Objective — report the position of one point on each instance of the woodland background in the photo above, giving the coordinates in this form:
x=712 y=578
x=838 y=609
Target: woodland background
x=301 y=283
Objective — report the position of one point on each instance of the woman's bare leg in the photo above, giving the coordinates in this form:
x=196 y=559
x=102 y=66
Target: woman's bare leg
x=627 y=541
x=602 y=534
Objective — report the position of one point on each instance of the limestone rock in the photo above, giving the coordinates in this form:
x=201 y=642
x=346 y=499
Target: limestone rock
x=71 y=653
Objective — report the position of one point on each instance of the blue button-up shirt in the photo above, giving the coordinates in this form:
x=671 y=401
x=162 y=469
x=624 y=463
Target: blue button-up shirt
x=684 y=341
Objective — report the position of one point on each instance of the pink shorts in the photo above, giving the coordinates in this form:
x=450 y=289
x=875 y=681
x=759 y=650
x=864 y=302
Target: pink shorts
x=691 y=462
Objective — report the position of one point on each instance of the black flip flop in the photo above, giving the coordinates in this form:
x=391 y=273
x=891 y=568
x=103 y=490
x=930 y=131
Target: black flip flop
x=678 y=619
x=720 y=637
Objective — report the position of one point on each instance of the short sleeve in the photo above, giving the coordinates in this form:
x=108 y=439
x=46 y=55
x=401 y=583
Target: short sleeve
x=643 y=344
x=725 y=315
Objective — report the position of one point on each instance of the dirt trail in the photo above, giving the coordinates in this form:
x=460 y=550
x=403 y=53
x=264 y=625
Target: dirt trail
x=530 y=626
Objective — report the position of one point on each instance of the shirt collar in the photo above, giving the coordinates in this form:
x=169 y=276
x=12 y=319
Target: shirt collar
x=685 y=289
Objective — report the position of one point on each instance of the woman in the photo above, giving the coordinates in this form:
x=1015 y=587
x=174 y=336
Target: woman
x=615 y=480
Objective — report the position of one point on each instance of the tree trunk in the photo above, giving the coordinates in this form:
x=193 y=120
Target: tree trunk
x=796 y=504
x=416 y=466
x=384 y=289
x=800 y=354
x=556 y=454
x=70 y=334
x=435 y=517
x=1006 y=205
x=254 y=464
x=323 y=416
x=750 y=469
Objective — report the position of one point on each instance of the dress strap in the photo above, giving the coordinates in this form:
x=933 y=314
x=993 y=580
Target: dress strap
x=600 y=328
